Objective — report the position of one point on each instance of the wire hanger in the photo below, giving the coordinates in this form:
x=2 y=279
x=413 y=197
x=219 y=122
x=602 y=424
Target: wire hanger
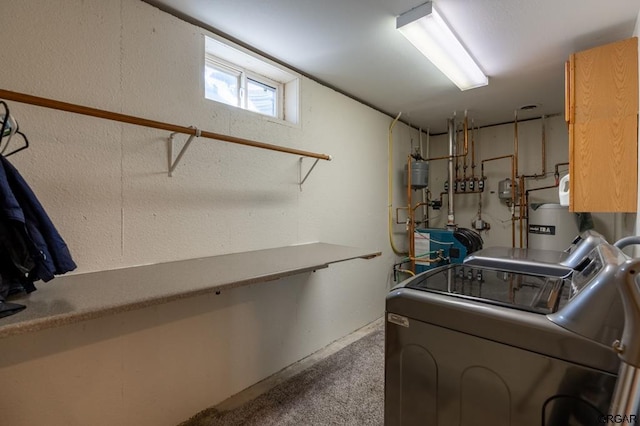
x=8 y=130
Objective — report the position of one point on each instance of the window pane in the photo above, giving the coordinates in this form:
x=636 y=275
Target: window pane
x=261 y=98
x=221 y=85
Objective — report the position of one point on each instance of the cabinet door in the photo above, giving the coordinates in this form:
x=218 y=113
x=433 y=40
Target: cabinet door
x=603 y=137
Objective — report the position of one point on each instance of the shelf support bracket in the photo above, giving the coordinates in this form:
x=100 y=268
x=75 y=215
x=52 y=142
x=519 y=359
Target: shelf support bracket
x=174 y=163
x=302 y=179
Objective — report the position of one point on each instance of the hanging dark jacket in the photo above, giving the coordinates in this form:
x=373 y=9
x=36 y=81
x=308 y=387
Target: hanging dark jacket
x=18 y=203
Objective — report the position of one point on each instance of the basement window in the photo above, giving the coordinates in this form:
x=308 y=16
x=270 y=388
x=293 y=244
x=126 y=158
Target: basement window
x=236 y=77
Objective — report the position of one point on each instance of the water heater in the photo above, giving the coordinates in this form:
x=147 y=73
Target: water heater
x=552 y=227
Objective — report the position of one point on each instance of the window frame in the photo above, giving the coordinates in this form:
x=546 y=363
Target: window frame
x=227 y=69
x=245 y=75
x=220 y=52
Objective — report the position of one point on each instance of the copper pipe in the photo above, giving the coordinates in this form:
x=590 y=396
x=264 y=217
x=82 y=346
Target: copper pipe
x=423 y=192
x=423 y=204
x=420 y=205
x=108 y=115
x=515 y=141
x=473 y=152
x=514 y=175
x=457 y=139
x=526 y=220
x=513 y=223
x=513 y=191
x=544 y=146
x=451 y=220
x=445 y=157
x=428 y=199
x=544 y=153
x=475 y=191
x=410 y=230
x=497 y=158
x=465 y=135
x=458 y=193
x=521 y=208
x=482 y=176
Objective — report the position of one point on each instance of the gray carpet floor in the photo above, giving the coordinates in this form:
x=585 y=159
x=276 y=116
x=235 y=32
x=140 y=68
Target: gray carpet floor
x=346 y=388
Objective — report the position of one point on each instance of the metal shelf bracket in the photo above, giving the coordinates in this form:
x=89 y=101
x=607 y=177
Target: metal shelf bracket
x=174 y=163
x=302 y=179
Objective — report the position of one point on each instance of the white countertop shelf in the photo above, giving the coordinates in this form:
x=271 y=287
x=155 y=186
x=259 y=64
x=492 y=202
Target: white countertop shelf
x=74 y=298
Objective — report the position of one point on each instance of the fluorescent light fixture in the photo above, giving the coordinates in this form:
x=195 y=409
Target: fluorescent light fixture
x=429 y=33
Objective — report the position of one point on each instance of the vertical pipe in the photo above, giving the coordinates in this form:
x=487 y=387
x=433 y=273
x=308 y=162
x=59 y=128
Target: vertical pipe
x=514 y=174
x=473 y=151
x=427 y=153
x=390 y=188
x=451 y=220
x=526 y=227
x=465 y=135
x=425 y=208
x=515 y=140
x=410 y=230
x=544 y=146
x=513 y=206
x=521 y=209
x=455 y=150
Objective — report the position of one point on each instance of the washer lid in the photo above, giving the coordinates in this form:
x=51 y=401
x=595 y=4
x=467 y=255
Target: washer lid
x=532 y=293
x=527 y=261
x=535 y=261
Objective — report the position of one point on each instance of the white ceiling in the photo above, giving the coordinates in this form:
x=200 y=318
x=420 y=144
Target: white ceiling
x=353 y=46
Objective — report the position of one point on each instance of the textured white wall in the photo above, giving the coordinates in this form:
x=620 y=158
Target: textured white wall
x=105 y=186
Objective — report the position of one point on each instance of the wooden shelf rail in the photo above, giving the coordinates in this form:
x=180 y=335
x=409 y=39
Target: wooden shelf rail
x=108 y=115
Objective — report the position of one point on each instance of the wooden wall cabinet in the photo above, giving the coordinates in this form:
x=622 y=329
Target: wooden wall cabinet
x=601 y=108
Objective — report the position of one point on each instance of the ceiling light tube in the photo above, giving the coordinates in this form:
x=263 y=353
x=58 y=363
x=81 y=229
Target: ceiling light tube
x=429 y=33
